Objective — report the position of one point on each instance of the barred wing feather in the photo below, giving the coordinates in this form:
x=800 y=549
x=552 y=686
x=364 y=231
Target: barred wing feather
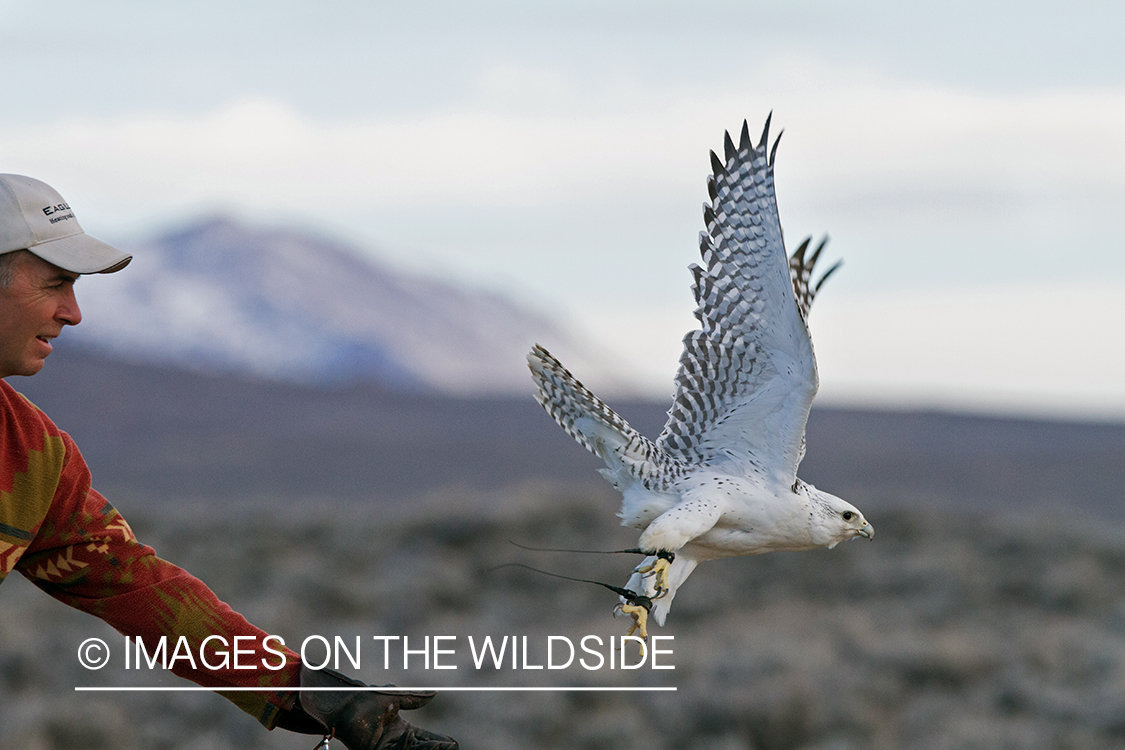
x=598 y=428
x=748 y=377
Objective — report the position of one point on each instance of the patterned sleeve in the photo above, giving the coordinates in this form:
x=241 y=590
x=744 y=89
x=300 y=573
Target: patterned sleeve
x=85 y=554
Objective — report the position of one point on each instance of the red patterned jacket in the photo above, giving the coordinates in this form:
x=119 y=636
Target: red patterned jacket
x=69 y=541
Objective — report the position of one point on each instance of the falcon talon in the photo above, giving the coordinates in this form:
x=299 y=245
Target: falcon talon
x=659 y=569
x=634 y=604
x=639 y=612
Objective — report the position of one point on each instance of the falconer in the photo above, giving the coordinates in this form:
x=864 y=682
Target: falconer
x=68 y=540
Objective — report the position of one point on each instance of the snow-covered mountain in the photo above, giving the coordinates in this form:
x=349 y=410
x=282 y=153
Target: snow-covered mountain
x=219 y=295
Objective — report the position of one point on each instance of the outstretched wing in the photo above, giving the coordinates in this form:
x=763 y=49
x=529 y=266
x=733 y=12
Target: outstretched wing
x=801 y=272
x=598 y=428
x=747 y=378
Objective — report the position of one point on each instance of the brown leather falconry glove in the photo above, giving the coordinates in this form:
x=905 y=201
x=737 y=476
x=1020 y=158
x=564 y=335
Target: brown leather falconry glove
x=363 y=719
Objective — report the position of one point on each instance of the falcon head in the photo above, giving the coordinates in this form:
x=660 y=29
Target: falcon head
x=834 y=520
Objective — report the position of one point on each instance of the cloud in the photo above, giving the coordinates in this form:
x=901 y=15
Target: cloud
x=974 y=225
x=848 y=135
x=1033 y=348
x=1040 y=349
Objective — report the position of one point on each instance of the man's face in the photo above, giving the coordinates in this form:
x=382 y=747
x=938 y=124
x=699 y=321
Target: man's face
x=33 y=310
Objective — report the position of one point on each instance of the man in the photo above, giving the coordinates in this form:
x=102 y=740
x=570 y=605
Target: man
x=70 y=542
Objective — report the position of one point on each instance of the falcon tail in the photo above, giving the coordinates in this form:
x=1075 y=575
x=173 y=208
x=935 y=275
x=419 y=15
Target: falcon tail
x=596 y=427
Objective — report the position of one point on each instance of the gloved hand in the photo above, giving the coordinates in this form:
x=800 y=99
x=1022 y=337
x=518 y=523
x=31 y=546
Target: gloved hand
x=362 y=720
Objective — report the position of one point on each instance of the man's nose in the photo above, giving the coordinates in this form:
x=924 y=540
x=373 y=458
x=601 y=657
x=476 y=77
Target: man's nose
x=69 y=312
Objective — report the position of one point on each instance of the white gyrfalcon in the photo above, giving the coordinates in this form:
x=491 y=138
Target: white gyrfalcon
x=721 y=480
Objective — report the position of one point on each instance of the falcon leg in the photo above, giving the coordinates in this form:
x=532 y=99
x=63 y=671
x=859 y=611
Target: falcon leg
x=636 y=606
x=640 y=619
x=659 y=568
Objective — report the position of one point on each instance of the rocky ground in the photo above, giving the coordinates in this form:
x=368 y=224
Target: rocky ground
x=950 y=630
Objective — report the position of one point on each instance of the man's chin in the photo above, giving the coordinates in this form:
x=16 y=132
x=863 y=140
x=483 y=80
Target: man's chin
x=29 y=368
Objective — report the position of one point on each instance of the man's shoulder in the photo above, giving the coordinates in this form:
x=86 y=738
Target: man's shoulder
x=16 y=407
x=30 y=443
x=11 y=399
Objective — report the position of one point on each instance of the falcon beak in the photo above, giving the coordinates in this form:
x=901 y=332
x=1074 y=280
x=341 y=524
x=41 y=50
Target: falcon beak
x=867 y=531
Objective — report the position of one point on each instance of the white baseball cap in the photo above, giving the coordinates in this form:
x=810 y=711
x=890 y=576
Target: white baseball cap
x=34 y=217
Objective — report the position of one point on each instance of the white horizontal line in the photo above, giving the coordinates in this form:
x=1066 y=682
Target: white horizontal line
x=370 y=688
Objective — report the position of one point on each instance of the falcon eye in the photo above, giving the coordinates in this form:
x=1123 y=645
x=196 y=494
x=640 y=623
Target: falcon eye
x=848 y=515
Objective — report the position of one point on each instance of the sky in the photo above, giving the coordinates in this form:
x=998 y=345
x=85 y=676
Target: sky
x=967 y=160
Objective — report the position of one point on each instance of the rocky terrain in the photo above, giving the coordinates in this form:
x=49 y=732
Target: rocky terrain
x=949 y=630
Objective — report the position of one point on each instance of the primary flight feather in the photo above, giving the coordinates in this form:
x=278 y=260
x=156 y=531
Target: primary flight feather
x=721 y=479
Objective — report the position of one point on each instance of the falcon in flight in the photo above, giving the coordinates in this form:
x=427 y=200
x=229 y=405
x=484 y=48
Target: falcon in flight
x=721 y=479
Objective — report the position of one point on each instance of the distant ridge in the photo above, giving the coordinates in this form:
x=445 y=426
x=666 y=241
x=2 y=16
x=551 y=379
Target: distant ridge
x=218 y=295
x=163 y=433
